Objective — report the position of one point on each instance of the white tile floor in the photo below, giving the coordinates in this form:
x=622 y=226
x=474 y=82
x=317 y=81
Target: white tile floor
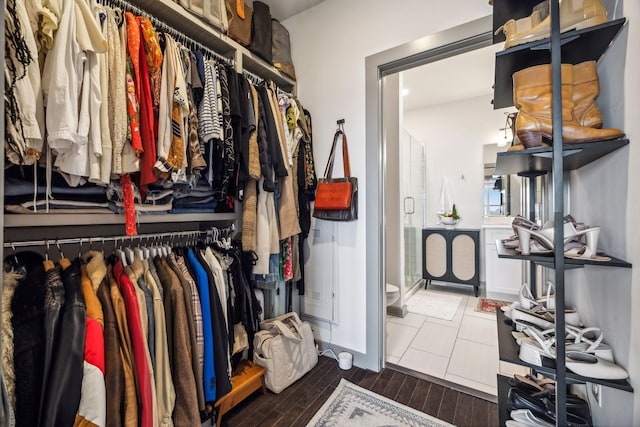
x=463 y=350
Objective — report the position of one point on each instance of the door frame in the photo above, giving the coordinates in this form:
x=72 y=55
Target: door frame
x=454 y=41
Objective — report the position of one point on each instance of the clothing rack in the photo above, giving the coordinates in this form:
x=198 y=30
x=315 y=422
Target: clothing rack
x=162 y=26
x=212 y=232
x=256 y=80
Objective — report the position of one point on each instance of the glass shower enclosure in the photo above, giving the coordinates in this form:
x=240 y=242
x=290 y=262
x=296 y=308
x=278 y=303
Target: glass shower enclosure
x=413 y=190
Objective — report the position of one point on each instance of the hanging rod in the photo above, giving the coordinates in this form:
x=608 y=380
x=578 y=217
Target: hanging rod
x=81 y=240
x=164 y=27
x=257 y=80
x=252 y=77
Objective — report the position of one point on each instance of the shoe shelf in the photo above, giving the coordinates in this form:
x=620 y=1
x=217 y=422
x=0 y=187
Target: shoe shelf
x=577 y=46
x=508 y=349
x=548 y=260
x=503 y=396
x=538 y=161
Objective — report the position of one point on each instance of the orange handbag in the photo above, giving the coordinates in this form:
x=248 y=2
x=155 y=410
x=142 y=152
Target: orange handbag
x=337 y=198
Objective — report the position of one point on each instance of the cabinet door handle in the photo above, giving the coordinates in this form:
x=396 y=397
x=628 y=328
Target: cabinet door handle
x=409 y=201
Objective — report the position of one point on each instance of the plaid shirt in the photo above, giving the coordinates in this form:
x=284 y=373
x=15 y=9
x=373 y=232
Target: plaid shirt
x=197 y=309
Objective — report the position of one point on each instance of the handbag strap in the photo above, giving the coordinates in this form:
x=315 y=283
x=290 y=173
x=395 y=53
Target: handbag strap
x=286 y=332
x=328 y=172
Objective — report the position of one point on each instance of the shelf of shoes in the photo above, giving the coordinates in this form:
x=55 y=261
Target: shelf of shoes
x=577 y=46
x=538 y=161
x=508 y=350
x=547 y=260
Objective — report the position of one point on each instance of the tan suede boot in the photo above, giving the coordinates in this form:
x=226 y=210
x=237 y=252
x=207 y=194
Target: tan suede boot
x=533 y=98
x=586 y=89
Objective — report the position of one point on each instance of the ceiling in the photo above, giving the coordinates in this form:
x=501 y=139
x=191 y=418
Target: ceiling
x=283 y=9
x=453 y=79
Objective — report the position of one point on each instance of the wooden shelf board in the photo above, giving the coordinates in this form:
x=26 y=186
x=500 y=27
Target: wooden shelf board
x=538 y=161
x=176 y=16
x=509 y=350
x=53 y=219
x=261 y=68
x=548 y=260
x=588 y=44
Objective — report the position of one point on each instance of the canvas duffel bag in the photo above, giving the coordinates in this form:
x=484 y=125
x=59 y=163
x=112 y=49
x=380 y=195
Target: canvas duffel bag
x=285 y=348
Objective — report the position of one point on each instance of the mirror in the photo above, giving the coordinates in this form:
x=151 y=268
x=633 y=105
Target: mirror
x=501 y=193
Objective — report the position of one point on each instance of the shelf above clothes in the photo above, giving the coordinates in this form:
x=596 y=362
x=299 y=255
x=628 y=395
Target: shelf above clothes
x=199 y=30
x=53 y=219
x=539 y=161
x=508 y=350
x=578 y=46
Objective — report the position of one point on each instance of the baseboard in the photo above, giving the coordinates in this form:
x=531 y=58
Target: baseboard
x=397 y=311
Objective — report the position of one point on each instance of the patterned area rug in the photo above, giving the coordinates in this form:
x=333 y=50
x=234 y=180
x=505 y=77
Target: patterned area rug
x=434 y=304
x=350 y=405
x=486 y=305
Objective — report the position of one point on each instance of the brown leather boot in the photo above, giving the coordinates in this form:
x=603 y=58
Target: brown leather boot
x=533 y=98
x=586 y=89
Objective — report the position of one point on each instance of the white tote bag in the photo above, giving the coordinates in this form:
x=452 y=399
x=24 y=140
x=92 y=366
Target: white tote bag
x=285 y=348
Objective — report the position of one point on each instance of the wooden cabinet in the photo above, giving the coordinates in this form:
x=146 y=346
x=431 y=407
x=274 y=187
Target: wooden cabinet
x=451 y=256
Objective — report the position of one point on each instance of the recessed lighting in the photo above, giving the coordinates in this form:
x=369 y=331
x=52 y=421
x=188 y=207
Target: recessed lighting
x=405 y=92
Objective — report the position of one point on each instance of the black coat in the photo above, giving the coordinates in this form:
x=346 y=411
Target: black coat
x=65 y=381
x=27 y=307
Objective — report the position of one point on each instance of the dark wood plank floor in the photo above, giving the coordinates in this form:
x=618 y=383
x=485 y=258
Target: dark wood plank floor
x=296 y=405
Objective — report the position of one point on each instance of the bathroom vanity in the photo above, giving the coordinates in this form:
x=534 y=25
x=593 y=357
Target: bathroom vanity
x=451 y=256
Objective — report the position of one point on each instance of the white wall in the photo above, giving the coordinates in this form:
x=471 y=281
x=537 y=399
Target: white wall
x=454 y=136
x=632 y=128
x=604 y=193
x=329 y=45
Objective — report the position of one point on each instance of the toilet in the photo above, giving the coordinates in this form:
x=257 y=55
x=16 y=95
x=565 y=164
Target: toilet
x=393 y=293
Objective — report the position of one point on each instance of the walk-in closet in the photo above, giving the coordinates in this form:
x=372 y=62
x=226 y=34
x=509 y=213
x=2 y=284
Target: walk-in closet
x=174 y=255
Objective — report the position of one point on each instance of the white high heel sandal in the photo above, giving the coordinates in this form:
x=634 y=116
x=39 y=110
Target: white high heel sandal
x=542 y=241
x=594 y=362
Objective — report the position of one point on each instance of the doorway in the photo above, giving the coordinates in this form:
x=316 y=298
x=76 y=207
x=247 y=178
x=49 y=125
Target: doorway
x=381 y=75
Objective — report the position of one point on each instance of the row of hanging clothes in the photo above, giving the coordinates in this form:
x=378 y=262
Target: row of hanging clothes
x=145 y=335
x=120 y=113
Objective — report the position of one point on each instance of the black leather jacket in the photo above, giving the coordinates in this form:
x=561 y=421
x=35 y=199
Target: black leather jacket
x=65 y=379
